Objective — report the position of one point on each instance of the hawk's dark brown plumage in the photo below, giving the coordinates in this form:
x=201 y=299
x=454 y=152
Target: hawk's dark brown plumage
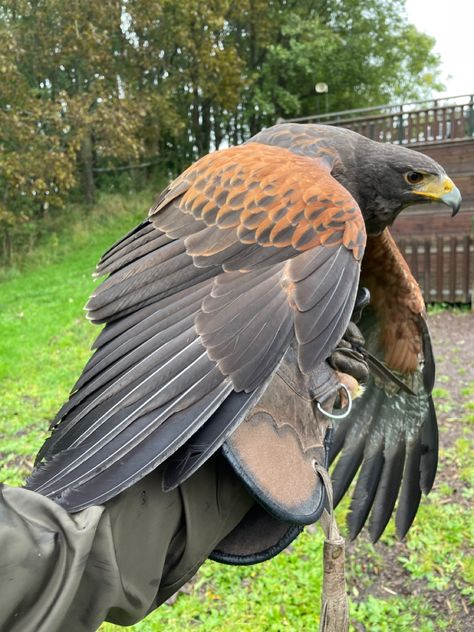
x=252 y=249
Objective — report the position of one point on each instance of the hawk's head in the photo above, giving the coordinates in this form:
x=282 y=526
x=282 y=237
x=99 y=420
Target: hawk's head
x=391 y=177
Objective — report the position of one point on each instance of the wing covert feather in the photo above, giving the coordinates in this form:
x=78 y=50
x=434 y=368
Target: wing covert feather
x=247 y=249
x=259 y=194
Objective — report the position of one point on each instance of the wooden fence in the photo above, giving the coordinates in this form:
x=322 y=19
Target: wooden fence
x=433 y=124
x=443 y=266
x=418 y=122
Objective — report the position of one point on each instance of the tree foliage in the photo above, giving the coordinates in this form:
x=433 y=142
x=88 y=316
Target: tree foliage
x=87 y=86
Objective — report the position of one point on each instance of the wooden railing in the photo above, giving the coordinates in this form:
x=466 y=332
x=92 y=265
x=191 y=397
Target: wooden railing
x=418 y=122
x=444 y=267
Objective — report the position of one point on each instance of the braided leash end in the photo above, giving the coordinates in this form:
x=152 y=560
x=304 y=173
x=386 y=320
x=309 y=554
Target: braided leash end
x=334 y=601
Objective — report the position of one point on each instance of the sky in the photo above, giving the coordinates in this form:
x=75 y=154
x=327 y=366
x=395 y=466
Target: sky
x=451 y=23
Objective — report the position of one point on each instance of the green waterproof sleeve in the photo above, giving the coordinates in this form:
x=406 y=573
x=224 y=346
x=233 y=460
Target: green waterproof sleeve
x=116 y=562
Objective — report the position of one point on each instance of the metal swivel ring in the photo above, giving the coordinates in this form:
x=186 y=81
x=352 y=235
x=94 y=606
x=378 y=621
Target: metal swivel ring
x=342 y=415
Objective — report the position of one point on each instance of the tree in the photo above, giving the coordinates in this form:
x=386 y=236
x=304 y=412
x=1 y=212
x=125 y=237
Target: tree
x=95 y=85
x=36 y=164
x=366 y=51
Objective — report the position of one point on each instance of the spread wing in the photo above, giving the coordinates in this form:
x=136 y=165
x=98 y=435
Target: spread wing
x=247 y=249
x=391 y=436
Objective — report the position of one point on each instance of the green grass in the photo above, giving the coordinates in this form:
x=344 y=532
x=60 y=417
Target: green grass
x=44 y=345
x=468 y=397
x=438 y=308
x=45 y=338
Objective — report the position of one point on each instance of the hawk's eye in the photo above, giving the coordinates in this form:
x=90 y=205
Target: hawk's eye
x=414 y=177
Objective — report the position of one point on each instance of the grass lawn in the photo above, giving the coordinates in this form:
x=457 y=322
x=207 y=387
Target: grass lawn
x=424 y=583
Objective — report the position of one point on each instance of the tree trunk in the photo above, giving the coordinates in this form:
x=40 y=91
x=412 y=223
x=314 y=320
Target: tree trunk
x=7 y=247
x=218 y=130
x=206 y=127
x=86 y=160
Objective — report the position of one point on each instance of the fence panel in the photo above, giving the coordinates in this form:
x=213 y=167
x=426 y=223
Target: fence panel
x=423 y=122
x=443 y=266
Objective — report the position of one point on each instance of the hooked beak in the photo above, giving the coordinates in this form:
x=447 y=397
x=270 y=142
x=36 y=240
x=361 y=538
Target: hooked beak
x=453 y=199
x=445 y=191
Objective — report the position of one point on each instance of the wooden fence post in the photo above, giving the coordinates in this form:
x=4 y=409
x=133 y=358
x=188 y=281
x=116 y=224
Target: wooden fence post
x=453 y=242
x=439 y=269
x=465 y=268
x=427 y=271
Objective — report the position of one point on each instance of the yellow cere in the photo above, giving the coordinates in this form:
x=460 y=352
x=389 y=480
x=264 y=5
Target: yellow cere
x=435 y=189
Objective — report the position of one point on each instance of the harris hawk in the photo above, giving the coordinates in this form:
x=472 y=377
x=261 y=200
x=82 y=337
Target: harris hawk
x=251 y=261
